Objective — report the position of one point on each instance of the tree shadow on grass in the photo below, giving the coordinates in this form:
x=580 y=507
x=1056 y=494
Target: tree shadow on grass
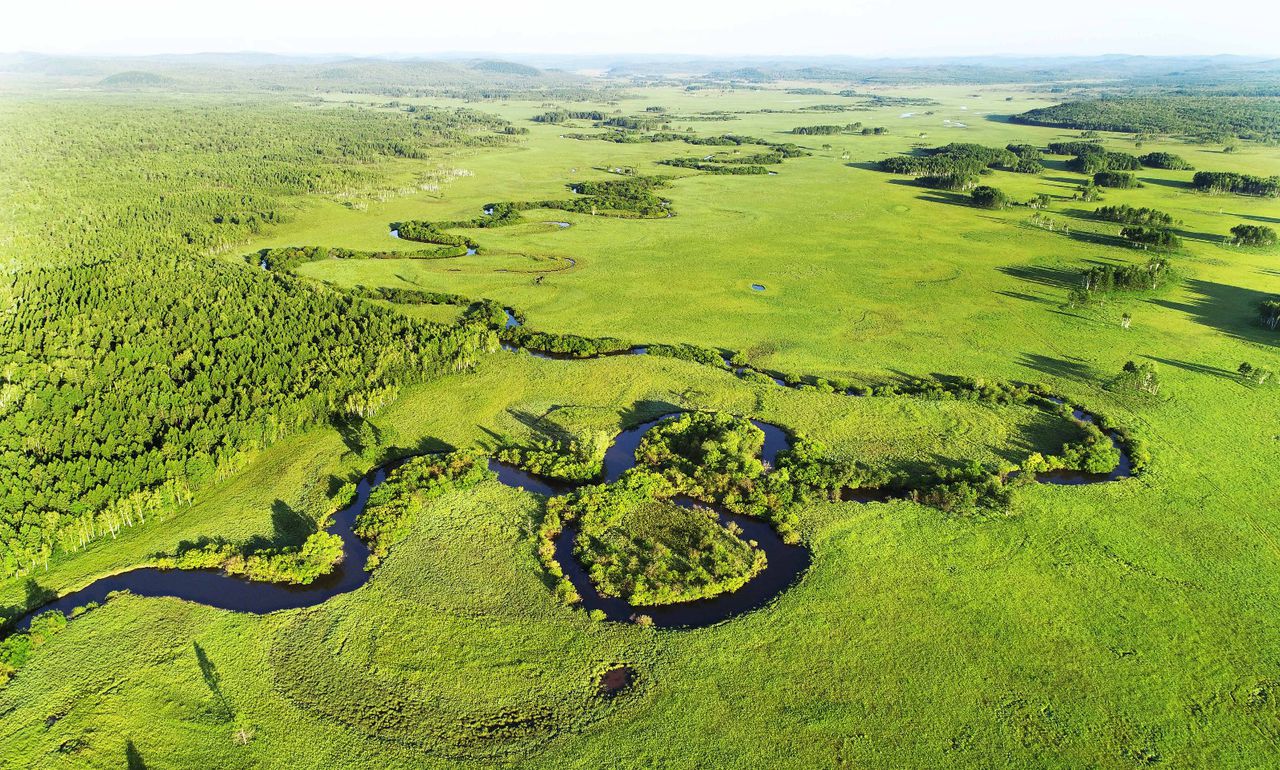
x=1174 y=183
x=1070 y=368
x=865 y=165
x=940 y=196
x=289 y=528
x=132 y=757
x=1054 y=277
x=34 y=595
x=542 y=424
x=212 y=680
x=1256 y=218
x=1098 y=239
x=1191 y=366
x=645 y=410
x=426 y=445
x=1232 y=310
x=358 y=434
x=1043 y=432
x=1198 y=236
x=1042 y=300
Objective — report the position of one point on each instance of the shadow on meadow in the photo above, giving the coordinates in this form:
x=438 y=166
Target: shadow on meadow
x=1232 y=310
x=132 y=757
x=1198 y=236
x=1174 y=183
x=1053 y=277
x=1068 y=368
x=1038 y=299
x=1256 y=218
x=1191 y=366
x=34 y=595
x=289 y=528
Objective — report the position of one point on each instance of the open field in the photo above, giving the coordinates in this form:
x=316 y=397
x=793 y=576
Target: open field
x=1111 y=625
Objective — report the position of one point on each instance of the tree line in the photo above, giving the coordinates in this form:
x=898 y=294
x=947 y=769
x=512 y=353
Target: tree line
x=1240 y=184
x=1201 y=116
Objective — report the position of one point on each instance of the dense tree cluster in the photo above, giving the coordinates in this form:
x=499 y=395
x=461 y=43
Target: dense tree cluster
x=832 y=130
x=713 y=167
x=1140 y=377
x=1269 y=313
x=1165 y=160
x=561 y=115
x=1122 y=180
x=956 y=166
x=1253 y=235
x=1025 y=151
x=988 y=197
x=428 y=232
x=136 y=368
x=287 y=258
x=1128 y=215
x=1108 y=278
x=567 y=345
x=1076 y=147
x=1150 y=237
x=1245 y=117
x=1240 y=184
x=481 y=312
x=1103 y=160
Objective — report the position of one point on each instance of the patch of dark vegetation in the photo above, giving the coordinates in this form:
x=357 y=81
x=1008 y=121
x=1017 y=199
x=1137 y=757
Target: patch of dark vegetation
x=136 y=79
x=562 y=115
x=957 y=166
x=1103 y=160
x=1120 y=180
x=1151 y=238
x=394 y=505
x=988 y=197
x=484 y=312
x=1240 y=184
x=289 y=257
x=1269 y=313
x=1253 y=235
x=1165 y=160
x=1105 y=279
x=566 y=345
x=1202 y=116
x=833 y=130
x=1077 y=147
x=1128 y=215
x=616 y=680
x=428 y=232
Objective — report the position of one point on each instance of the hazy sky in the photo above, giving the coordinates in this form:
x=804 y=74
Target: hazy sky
x=709 y=27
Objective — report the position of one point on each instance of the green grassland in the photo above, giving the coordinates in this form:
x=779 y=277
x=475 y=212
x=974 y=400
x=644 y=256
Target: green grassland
x=1111 y=625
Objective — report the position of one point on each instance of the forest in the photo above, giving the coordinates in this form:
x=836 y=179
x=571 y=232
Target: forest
x=1240 y=184
x=1210 y=117
x=171 y=364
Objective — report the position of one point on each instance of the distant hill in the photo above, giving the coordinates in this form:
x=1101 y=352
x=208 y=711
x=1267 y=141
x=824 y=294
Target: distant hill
x=506 y=68
x=136 y=79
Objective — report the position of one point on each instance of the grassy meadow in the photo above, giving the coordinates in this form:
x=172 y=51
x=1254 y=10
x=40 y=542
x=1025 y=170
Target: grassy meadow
x=1112 y=625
